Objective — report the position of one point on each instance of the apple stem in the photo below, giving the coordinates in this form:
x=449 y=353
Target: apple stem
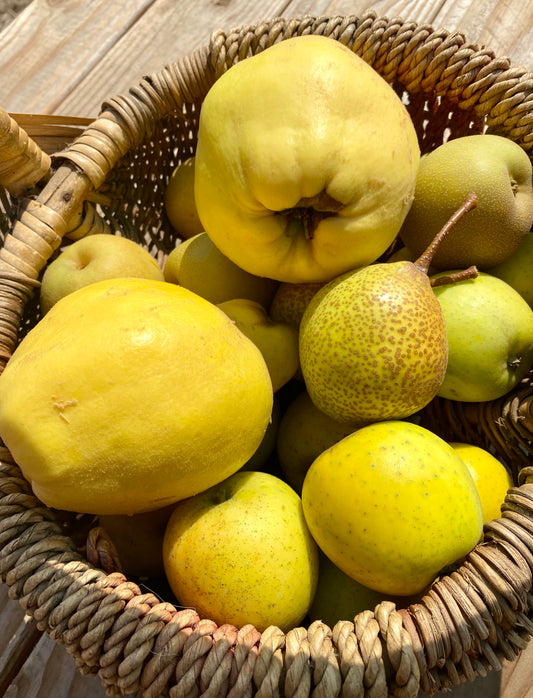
x=455 y=276
x=515 y=363
x=424 y=261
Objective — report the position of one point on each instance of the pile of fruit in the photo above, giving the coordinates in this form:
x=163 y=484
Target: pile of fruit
x=244 y=420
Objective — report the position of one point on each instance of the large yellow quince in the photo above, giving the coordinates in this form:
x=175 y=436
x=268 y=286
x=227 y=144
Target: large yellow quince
x=306 y=161
x=131 y=394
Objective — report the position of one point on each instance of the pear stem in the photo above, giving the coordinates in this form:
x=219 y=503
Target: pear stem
x=424 y=261
x=454 y=276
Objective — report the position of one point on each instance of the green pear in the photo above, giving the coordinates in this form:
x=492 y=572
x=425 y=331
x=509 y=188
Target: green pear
x=198 y=265
x=304 y=432
x=277 y=341
x=500 y=173
x=339 y=597
x=291 y=300
x=517 y=270
x=490 y=338
x=392 y=505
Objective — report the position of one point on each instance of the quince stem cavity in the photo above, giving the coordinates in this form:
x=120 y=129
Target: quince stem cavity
x=424 y=261
x=307 y=214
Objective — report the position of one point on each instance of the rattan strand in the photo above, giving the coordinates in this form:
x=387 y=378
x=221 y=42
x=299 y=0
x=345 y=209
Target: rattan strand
x=22 y=163
x=99 y=611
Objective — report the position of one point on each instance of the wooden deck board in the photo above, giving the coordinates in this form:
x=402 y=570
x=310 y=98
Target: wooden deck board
x=68 y=58
x=50 y=47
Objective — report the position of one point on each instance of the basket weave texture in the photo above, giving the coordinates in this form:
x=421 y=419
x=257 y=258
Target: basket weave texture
x=472 y=618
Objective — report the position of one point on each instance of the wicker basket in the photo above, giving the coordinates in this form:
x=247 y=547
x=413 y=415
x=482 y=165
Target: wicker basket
x=471 y=619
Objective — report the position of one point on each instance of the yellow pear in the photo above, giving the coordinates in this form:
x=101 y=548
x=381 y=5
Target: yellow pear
x=306 y=161
x=197 y=264
x=373 y=341
x=373 y=344
x=131 y=394
x=277 y=341
x=179 y=200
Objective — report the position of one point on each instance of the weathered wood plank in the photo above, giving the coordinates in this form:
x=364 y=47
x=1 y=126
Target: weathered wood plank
x=179 y=30
x=505 y=27
x=137 y=54
x=51 y=672
x=17 y=638
x=517 y=676
x=68 y=57
x=50 y=46
x=32 y=665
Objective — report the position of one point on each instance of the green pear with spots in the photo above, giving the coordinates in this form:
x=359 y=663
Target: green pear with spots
x=373 y=343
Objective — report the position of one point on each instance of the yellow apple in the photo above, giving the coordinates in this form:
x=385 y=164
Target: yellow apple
x=490 y=475
x=95 y=258
x=179 y=200
x=241 y=553
x=306 y=161
x=304 y=432
x=197 y=264
x=277 y=341
x=391 y=505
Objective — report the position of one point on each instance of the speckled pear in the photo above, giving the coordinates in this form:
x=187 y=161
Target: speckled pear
x=373 y=343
